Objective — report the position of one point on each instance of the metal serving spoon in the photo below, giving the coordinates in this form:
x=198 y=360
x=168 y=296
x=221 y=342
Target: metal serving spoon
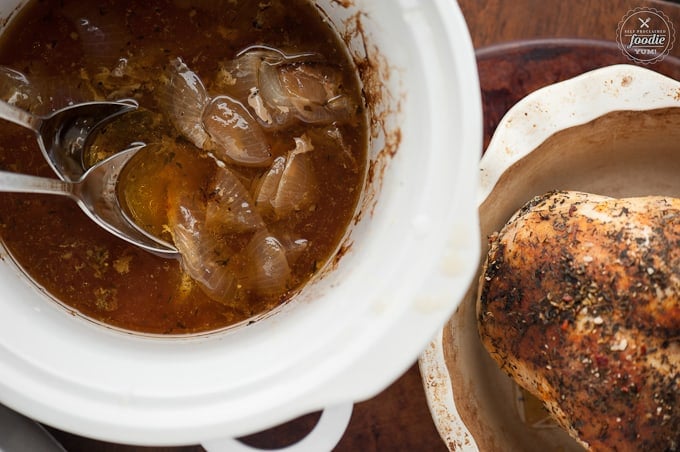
x=63 y=134
x=96 y=194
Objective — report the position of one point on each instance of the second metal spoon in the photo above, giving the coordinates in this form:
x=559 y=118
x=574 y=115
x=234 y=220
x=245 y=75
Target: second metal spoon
x=63 y=134
x=97 y=195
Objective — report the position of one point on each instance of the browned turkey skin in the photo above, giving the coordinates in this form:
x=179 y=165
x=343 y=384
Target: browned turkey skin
x=579 y=303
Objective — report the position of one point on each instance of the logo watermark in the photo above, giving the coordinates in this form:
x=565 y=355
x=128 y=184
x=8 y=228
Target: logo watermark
x=645 y=35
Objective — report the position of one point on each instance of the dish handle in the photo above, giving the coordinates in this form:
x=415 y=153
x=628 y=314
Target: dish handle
x=324 y=436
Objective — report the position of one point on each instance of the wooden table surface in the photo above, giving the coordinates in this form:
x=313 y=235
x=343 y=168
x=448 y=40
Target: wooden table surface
x=398 y=418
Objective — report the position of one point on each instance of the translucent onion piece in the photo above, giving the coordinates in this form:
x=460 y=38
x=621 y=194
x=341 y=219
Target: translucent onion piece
x=297 y=188
x=16 y=89
x=331 y=138
x=248 y=62
x=103 y=37
x=185 y=220
x=273 y=96
x=315 y=83
x=295 y=248
x=205 y=257
x=268 y=185
x=267 y=270
x=239 y=77
x=230 y=208
x=235 y=136
x=257 y=104
x=290 y=184
x=253 y=78
x=184 y=98
x=309 y=91
x=294 y=245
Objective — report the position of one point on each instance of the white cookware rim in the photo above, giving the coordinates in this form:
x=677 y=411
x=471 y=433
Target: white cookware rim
x=185 y=390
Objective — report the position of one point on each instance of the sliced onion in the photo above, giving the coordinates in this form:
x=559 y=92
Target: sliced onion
x=295 y=248
x=205 y=256
x=309 y=91
x=103 y=37
x=244 y=82
x=331 y=138
x=280 y=88
x=294 y=245
x=297 y=188
x=207 y=261
x=247 y=63
x=230 y=208
x=184 y=98
x=273 y=95
x=290 y=184
x=259 y=107
x=235 y=136
x=16 y=89
x=267 y=270
x=314 y=83
x=186 y=217
x=268 y=185
x=223 y=284
x=244 y=71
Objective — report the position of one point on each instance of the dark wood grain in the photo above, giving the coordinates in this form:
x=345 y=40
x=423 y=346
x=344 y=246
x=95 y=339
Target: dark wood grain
x=494 y=21
x=398 y=418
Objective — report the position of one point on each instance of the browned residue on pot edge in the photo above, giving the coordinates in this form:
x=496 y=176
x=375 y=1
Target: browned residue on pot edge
x=375 y=73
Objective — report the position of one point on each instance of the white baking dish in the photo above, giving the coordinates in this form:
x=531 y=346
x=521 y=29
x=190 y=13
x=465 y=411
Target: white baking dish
x=613 y=131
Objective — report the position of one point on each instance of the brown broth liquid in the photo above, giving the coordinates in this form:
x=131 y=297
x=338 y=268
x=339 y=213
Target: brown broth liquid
x=85 y=267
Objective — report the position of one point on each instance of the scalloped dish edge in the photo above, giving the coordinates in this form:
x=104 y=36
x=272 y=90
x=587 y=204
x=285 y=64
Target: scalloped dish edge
x=530 y=122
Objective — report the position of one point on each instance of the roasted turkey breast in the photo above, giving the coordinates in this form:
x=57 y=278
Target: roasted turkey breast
x=579 y=302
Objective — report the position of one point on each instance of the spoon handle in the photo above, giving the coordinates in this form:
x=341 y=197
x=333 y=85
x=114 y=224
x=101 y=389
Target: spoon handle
x=18 y=116
x=24 y=183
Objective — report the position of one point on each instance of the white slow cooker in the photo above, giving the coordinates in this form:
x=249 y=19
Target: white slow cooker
x=410 y=256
